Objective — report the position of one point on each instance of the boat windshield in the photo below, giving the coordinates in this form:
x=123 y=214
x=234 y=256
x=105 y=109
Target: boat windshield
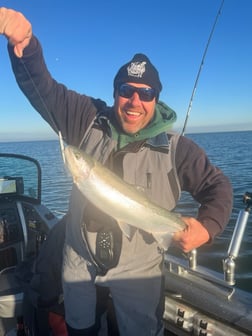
x=20 y=176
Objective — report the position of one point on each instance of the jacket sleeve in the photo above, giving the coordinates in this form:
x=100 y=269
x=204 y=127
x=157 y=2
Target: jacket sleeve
x=207 y=184
x=64 y=110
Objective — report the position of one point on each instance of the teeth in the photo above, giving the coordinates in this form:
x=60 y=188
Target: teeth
x=133 y=113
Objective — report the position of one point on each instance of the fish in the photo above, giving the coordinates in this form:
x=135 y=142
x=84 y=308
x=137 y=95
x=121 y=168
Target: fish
x=120 y=200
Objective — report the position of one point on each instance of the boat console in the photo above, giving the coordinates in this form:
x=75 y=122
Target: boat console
x=24 y=224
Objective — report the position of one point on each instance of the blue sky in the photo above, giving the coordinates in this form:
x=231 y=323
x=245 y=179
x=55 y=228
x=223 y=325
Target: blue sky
x=85 y=42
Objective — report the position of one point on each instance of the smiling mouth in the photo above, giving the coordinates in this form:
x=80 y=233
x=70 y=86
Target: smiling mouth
x=133 y=114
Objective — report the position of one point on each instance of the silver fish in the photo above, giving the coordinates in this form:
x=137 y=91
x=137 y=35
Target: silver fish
x=120 y=200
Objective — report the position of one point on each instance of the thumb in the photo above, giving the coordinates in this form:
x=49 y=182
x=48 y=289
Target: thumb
x=19 y=46
x=18 y=50
x=177 y=236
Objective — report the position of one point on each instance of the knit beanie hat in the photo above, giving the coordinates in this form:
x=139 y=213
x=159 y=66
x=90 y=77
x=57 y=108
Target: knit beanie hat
x=139 y=70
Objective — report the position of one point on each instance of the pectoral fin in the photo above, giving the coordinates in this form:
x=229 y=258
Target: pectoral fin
x=126 y=229
x=163 y=239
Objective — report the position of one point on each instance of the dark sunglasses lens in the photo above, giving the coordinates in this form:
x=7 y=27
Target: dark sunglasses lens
x=145 y=94
x=126 y=91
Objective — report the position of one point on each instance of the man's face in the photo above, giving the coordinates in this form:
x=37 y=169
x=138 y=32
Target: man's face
x=132 y=113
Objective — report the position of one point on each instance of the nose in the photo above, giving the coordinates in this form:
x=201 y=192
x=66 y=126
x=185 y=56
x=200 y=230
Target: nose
x=135 y=100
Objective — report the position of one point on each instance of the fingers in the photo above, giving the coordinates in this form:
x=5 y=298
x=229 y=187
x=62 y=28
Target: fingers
x=16 y=28
x=193 y=236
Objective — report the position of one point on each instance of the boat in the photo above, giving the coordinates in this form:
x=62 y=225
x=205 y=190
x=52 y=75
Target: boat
x=24 y=225
x=198 y=300
x=201 y=301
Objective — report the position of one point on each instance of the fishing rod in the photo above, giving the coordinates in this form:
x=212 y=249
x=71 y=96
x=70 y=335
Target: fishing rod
x=200 y=68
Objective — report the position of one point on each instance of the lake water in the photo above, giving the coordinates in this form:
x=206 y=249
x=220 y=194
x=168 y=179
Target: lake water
x=230 y=151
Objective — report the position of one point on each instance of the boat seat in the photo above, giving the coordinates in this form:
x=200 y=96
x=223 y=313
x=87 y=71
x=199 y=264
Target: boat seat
x=11 y=294
x=12 y=235
x=12 y=251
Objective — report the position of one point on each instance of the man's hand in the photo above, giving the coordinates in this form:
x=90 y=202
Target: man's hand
x=193 y=236
x=16 y=28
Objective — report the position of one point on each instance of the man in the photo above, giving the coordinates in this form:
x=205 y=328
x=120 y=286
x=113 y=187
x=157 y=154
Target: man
x=132 y=138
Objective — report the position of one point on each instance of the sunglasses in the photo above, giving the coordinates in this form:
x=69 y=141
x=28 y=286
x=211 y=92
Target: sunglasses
x=145 y=94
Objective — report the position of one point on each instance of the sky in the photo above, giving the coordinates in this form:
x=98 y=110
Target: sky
x=85 y=42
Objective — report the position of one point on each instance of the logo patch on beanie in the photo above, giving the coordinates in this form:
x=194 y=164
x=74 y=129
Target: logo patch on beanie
x=136 y=69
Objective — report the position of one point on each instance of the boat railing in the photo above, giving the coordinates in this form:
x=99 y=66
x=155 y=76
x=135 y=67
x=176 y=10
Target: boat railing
x=201 y=301
x=234 y=246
